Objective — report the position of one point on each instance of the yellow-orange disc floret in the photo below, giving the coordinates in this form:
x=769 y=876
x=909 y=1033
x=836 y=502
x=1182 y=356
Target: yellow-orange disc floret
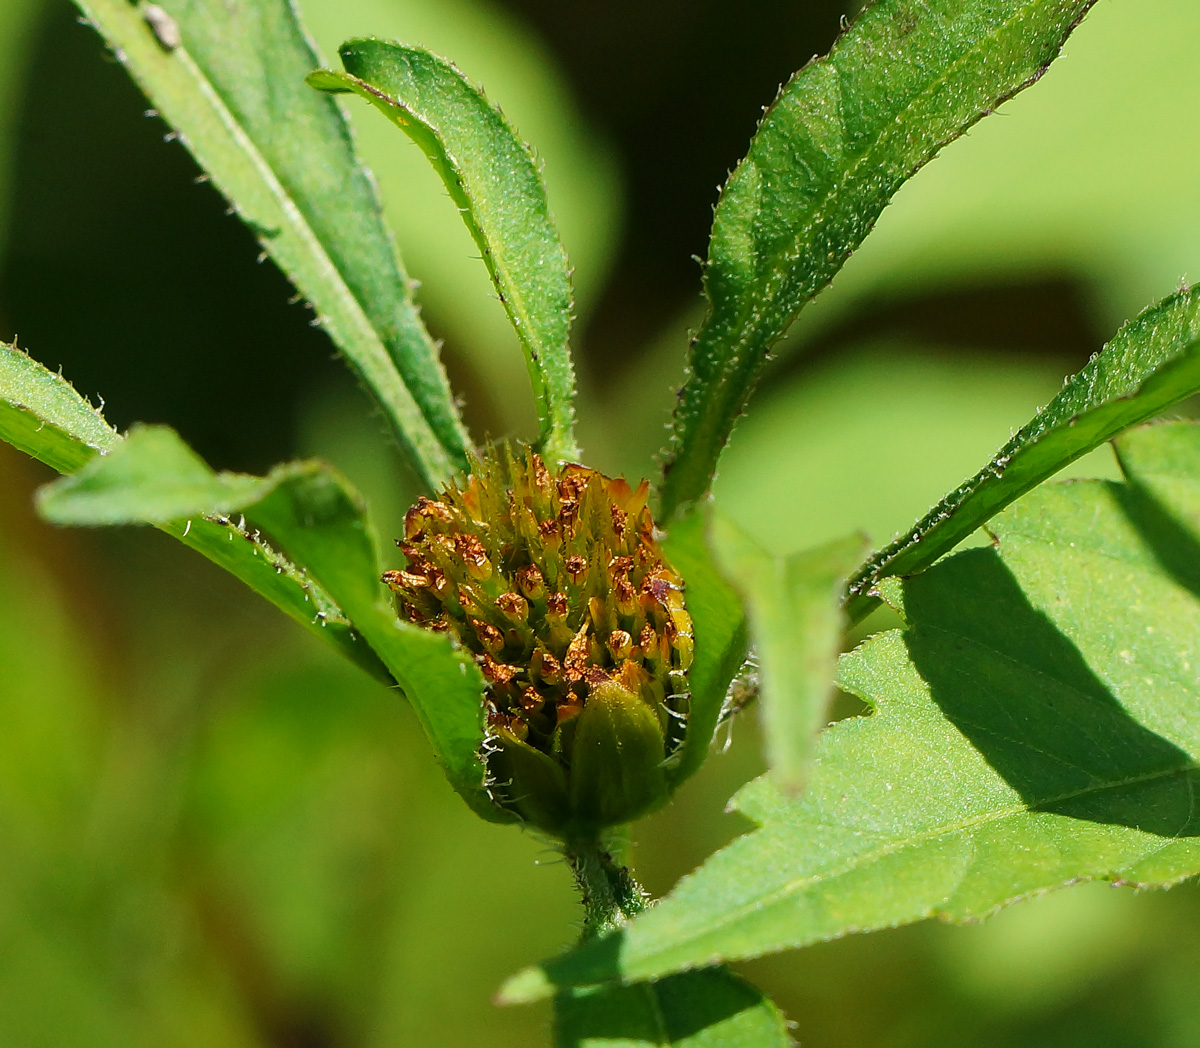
x=556 y=584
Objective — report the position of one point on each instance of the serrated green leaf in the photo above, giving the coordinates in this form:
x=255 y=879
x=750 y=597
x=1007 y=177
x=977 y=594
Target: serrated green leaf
x=494 y=180
x=43 y=415
x=796 y=625
x=1036 y=723
x=1152 y=363
x=230 y=80
x=719 y=629
x=312 y=513
x=843 y=135
x=704 y=1009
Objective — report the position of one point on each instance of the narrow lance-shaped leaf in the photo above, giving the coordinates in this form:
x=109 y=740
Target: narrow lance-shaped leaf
x=494 y=180
x=1035 y=724
x=230 y=80
x=43 y=415
x=703 y=1009
x=842 y=136
x=796 y=625
x=1152 y=363
x=315 y=516
x=719 y=629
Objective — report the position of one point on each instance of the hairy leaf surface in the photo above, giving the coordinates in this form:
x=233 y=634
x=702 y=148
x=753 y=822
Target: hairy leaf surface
x=313 y=514
x=1036 y=723
x=1152 y=363
x=703 y=1009
x=842 y=136
x=43 y=415
x=230 y=79
x=493 y=179
x=796 y=624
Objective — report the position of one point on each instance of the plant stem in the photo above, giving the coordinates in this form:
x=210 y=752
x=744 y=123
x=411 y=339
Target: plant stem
x=609 y=893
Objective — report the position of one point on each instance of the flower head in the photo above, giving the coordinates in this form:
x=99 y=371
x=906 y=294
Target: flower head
x=556 y=584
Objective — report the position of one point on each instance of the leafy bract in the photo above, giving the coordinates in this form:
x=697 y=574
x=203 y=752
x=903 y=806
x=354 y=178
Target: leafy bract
x=842 y=136
x=152 y=477
x=230 y=81
x=493 y=179
x=311 y=512
x=1035 y=724
x=796 y=623
x=719 y=629
x=1151 y=363
x=43 y=415
x=710 y=1008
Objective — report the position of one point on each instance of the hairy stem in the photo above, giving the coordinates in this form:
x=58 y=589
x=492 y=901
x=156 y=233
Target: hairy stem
x=607 y=888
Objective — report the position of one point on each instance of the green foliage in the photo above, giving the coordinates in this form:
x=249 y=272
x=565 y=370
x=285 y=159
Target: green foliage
x=795 y=615
x=1153 y=362
x=1032 y=722
x=1014 y=746
x=284 y=159
x=719 y=625
x=494 y=181
x=151 y=477
x=43 y=415
x=844 y=134
x=310 y=512
x=703 y=1009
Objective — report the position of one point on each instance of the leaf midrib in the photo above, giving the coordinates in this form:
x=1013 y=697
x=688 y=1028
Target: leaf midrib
x=1026 y=442
x=865 y=858
x=826 y=200
x=418 y=429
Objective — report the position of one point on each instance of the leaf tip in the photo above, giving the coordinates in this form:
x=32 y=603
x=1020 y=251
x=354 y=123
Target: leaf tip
x=329 y=81
x=525 y=987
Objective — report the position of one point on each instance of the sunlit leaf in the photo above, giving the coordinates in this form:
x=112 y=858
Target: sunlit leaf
x=842 y=136
x=494 y=180
x=43 y=415
x=1158 y=460
x=230 y=81
x=1152 y=363
x=152 y=477
x=1035 y=724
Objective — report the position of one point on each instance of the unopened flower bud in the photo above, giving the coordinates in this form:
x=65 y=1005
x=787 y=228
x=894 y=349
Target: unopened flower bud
x=616 y=758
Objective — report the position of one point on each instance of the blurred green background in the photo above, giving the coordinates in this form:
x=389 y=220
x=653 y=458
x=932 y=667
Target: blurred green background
x=214 y=833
